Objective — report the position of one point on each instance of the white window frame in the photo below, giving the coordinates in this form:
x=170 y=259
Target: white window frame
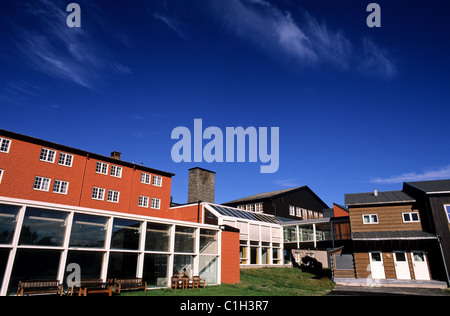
x=155 y=204
x=113 y=196
x=158 y=182
x=145 y=178
x=60 y=187
x=411 y=220
x=291 y=210
x=371 y=220
x=102 y=168
x=43 y=184
x=64 y=158
x=143 y=201
x=116 y=171
x=98 y=194
x=5 y=143
x=45 y=155
x=1 y=175
x=298 y=211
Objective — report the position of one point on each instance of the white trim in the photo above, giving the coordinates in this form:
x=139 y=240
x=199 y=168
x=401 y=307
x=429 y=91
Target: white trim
x=47 y=154
x=101 y=165
x=1 y=175
x=65 y=159
x=410 y=217
x=40 y=188
x=8 y=146
x=371 y=222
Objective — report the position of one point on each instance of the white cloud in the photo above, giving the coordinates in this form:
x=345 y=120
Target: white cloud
x=438 y=174
x=287 y=183
x=375 y=61
x=61 y=52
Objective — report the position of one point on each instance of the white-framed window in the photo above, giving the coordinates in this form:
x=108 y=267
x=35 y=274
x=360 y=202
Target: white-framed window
x=113 y=196
x=304 y=213
x=65 y=160
x=291 y=210
x=155 y=204
x=298 y=212
x=145 y=178
x=116 y=171
x=101 y=168
x=143 y=201
x=157 y=181
x=370 y=218
x=41 y=184
x=98 y=194
x=259 y=207
x=5 y=144
x=1 y=175
x=60 y=187
x=47 y=155
x=447 y=210
x=410 y=217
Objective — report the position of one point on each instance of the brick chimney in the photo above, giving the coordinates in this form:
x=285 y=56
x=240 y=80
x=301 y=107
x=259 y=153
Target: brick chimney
x=202 y=185
x=116 y=155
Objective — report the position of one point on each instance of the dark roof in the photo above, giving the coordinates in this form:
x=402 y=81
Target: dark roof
x=386 y=197
x=392 y=235
x=431 y=187
x=80 y=152
x=274 y=194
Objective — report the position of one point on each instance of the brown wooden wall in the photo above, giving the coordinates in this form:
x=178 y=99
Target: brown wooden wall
x=389 y=218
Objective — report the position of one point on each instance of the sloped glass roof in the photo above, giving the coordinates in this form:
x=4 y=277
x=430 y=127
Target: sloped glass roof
x=233 y=212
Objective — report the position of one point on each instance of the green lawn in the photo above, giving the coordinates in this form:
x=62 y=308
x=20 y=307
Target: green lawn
x=258 y=282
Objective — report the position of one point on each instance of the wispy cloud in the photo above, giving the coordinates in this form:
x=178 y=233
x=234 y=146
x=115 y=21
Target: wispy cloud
x=172 y=23
x=70 y=54
x=437 y=174
x=294 y=36
x=287 y=183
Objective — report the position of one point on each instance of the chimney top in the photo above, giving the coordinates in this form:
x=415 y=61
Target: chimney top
x=375 y=192
x=116 y=155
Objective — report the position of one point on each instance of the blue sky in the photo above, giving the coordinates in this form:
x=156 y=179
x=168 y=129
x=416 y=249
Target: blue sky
x=358 y=108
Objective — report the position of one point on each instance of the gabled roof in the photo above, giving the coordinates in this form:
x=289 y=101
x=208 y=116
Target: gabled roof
x=274 y=194
x=431 y=187
x=387 y=197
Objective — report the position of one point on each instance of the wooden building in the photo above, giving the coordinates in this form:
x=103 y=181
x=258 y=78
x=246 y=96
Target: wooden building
x=397 y=235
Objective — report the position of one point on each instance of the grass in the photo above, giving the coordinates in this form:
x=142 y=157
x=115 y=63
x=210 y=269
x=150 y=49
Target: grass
x=258 y=282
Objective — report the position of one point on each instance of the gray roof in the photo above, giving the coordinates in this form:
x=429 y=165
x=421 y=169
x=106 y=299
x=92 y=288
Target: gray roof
x=431 y=187
x=392 y=235
x=265 y=195
x=385 y=197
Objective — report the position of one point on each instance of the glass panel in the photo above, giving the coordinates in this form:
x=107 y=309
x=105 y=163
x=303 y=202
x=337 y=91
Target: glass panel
x=419 y=257
x=125 y=234
x=88 y=231
x=31 y=264
x=276 y=255
x=4 y=256
x=183 y=263
x=155 y=270
x=90 y=263
x=253 y=255
x=415 y=217
x=208 y=241
x=43 y=227
x=306 y=233
x=158 y=237
x=376 y=256
x=8 y=221
x=400 y=256
x=406 y=217
x=184 y=239
x=265 y=256
x=208 y=269
x=290 y=234
x=122 y=265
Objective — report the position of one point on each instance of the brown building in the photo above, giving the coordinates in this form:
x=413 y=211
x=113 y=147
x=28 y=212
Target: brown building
x=397 y=235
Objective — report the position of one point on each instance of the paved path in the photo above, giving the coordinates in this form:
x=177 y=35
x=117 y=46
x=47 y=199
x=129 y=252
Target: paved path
x=341 y=290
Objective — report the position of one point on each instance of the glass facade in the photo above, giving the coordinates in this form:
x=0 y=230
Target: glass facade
x=41 y=243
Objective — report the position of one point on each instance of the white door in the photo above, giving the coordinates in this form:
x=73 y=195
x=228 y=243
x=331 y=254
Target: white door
x=420 y=265
x=376 y=265
x=401 y=266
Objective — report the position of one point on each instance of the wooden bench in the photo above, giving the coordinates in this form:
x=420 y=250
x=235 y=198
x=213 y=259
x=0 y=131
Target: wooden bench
x=198 y=282
x=39 y=287
x=126 y=284
x=92 y=286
